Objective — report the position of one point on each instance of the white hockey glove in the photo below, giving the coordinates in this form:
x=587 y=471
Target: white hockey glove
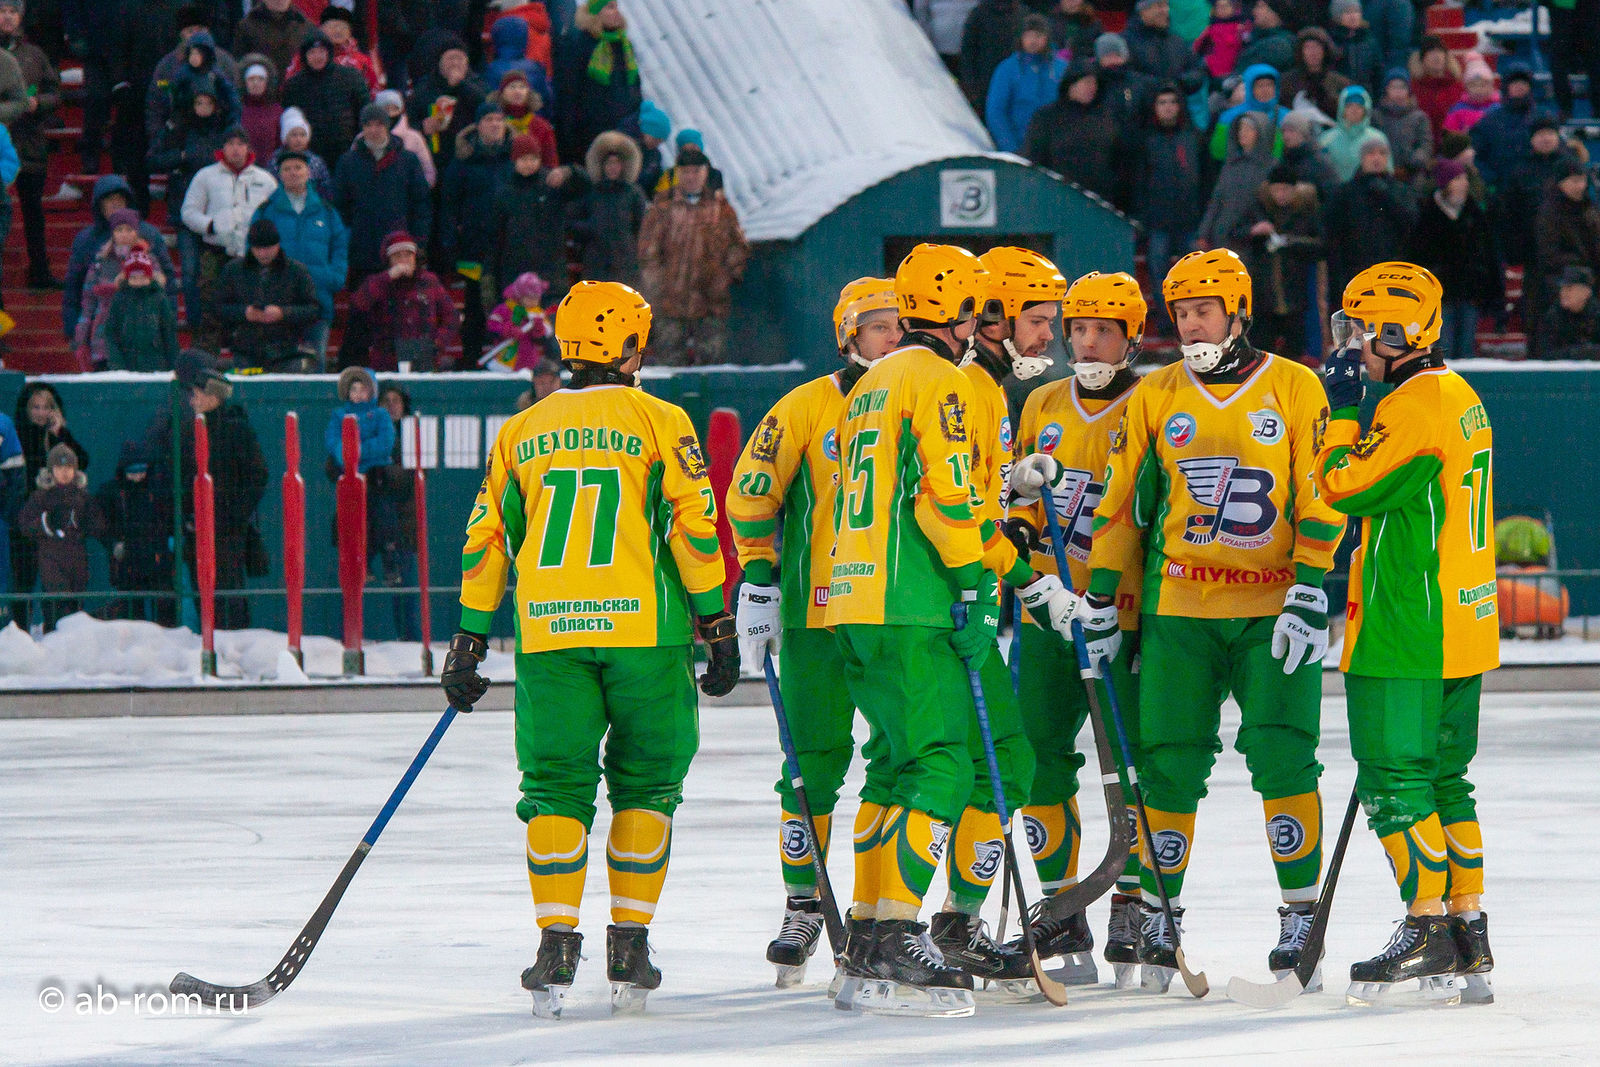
x=1300 y=635
x=758 y=623
x=1050 y=603
x=1102 y=630
x=1030 y=474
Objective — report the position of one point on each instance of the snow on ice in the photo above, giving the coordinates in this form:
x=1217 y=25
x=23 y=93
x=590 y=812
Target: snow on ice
x=135 y=848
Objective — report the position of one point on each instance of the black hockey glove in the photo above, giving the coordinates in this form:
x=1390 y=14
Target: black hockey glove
x=463 y=685
x=1020 y=532
x=1341 y=371
x=722 y=640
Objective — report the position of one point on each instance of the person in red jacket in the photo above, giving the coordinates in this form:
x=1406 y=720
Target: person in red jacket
x=412 y=321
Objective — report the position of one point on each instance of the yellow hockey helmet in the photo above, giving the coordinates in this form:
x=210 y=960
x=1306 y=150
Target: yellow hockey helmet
x=1108 y=296
x=596 y=321
x=1219 y=273
x=855 y=300
x=1017 y=277
x=1399 y=304
x=941 y=284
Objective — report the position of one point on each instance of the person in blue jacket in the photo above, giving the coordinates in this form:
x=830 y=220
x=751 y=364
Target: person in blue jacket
x=1261 y=96
x=312 y=234
x=358 y=391
x=508 y=39
x=10 y=167
x=1025 y=81
x=13 y=491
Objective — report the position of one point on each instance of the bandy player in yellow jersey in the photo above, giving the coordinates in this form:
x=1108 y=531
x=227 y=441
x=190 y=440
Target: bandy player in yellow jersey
x=1063 y=442
x=1212 y=470
x=599 y=501
x=1014 y=330
x=910 y=548
x=1423 y=624
x=789 y=473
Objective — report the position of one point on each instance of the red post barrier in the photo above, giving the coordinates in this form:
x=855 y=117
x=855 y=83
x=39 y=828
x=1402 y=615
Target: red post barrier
x=294 y=533
x=419 y=487
x=205 y=546
x=351 y=503
x=724 y=440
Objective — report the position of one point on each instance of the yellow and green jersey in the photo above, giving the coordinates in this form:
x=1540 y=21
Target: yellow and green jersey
x=1217 y=479
x=1077 y=430
x=907 y=539
x=989 y=424
x=791 y=466
x=1422 y=585
x=599 y=499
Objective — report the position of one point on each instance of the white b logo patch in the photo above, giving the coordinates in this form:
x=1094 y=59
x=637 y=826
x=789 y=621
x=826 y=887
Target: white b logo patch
x=1038 y=836
x=792 y=839
x=941 y=834
x=1172 y=848
x=988 y=855
x=1285 y=835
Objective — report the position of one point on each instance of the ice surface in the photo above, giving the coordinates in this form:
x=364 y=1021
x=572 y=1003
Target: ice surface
x=134 y=848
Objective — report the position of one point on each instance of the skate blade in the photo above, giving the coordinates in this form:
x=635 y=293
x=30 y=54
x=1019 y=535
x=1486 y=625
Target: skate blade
x=627 y=998
x=1153 y=979
x=548 y=1002
x=1124 y=975
x=790 y=976
x=838 y=981
x=1440 y=990
x=1312 y=986
x=844 y=990
x=1475 y=988
x=1012 y=990
x=1077 y=968
x=878 y=996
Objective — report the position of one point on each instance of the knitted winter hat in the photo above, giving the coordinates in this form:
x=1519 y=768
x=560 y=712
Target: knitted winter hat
x=374 y=113
x=653 y=122
x=527 y=288
x=139 y=263
x=236 y=133
x=293 y=119
x=1396 y=74
x=524 y=144
x=1571 y=275
x=256 y=70
x=692 y=156
x=390 y=98
x=490 y=107
x=330 y=13
x=61 y=456
x=1446 y=171
x=513 y=75
x=1545 y=121
x=398 y=241
x=690 y=135
x=263 y=234
x=125 y=216
x=1109 y=45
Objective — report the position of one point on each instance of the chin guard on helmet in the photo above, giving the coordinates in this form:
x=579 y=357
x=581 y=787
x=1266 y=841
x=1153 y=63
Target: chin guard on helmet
x=1018 y=279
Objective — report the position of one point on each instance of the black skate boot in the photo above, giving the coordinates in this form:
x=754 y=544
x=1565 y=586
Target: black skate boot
x=797 y=940
x=1294 y=925
x=1158 y=948
x=1122 y=938
x=1065 y=935
x=628 y=967
x=1423 y=947
x=1472 y=941
x=552 y=972
x=906 y=975
x=851 y=966
x=965 y=943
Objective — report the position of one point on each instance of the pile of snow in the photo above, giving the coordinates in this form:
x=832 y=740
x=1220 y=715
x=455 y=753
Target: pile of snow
x=84 y=651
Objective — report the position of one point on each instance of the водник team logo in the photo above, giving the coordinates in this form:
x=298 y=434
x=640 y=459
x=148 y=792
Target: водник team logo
x=940 y=834
x=1242 y=514
x=1049 y=438
x=1038 y=836
x=1285 y=835
x=1266 y=426
x=792 y=840
x=986 y=859
x=1172 y=849
x=1180 y=429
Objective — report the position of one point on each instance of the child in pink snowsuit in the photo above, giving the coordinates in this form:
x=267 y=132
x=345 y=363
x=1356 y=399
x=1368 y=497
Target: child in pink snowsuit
x=522 y=318
x=1219 y=44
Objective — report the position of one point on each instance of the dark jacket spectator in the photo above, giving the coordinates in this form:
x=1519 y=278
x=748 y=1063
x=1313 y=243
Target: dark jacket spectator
x=410 y=315
x=1077 y=136
x=1166 y=185
x=190 y=144
x=378 y=193
x=445 y=102
x=989 y=35
x=266 y=302
x=44 y=89
x=1313 y=73
x=1154 y=49
x=198 y=69
x=533 y=215
x=477 y=171
x=138 y=529
x=691 y=249
x=1567 y=230
x=1238 y=187
x=261 y=111
x=1302 y=156
x=274 y=27
x=1452 y=239
x=111 y=193
x=1125 y=90
x=1025 y=81
x=330 y=97
x=41 y=425
x=1398 y=118
x=1436 y=83
x=1516 y=202
x=172 y=66
x=614 y=210
x=1501 y=136
x=1280 y=240
x=597 y=79
x=1270 y=43
x=1571 y=328
x=314 y=236
x=1073 y=28
x=1360 y=52
x=338 y=26
x=1370 y=216
x=100 y=285
x=141 y=329
x=59 y=518
x=519 y=99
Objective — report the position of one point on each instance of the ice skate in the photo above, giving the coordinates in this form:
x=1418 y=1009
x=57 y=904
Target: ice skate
x=552 y=972
x=629 y=969
x=1065 y=936
x=1158 y=954
x=1472 y=941
x=1294 y=925
x=852 y=964
x=1122 y=940
x=1423 y=947
x=965 y=943
x=906 y=975
x=796 y=941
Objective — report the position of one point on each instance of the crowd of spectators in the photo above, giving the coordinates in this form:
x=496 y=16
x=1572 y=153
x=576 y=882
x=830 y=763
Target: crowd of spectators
x=1312 y=140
